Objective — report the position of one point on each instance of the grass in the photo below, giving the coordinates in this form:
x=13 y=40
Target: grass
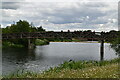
x=9 y=44
x=41 y=42
x=78 y=69
x=108 y=71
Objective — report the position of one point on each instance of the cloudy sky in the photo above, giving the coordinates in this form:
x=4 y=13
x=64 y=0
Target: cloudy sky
x=63 y=15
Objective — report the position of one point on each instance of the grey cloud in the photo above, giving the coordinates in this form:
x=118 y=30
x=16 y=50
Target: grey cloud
x=73 y=15
x=13 y=0
x=87 y=15
x=10 y=5
x=96 y=4
x=65 y=15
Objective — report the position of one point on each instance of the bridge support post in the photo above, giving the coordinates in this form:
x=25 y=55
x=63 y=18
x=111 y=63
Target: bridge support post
x=102 y=50
x=30 y=45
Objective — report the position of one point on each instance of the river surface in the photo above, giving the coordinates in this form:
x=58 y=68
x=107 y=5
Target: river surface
x=44 y=57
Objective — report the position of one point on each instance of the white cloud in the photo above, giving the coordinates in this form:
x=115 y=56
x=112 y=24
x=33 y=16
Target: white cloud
x=84 y=1
x=58 y=15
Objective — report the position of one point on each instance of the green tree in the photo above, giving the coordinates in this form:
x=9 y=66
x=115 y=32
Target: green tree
x=39 y=29
x=6 y=30
x=115 y=44
x=20 y=26
x=23 y=26
x=13 y=28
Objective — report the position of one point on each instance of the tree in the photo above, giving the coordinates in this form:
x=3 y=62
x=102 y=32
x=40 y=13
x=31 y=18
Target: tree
x=32 y=28
x=6 y=30
x=13 y=28
x=39 y=29
x=21 y=26
x=115 y=44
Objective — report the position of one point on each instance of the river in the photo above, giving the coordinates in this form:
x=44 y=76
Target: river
x=44 y=57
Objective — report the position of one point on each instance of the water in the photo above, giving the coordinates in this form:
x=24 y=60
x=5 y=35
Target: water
x=44 y=57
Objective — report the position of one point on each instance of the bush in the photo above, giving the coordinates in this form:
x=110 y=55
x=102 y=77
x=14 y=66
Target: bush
x=41 y=42
x=10 y=44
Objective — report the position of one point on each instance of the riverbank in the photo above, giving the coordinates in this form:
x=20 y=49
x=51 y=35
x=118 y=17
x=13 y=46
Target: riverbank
x=38 y=42
x=81 y=41
x=76 y=69
x=10 y=44
x=78 y=41
x=107 y=71
x=75 y=40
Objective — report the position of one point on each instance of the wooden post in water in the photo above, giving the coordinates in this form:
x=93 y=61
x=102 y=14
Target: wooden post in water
x=30 y=45
x=102 y=50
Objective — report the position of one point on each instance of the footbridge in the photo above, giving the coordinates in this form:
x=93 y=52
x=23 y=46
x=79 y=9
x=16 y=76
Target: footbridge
x=92 y=36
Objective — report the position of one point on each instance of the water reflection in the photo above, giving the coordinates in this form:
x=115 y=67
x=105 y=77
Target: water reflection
x=51 y=55
x=18 y=55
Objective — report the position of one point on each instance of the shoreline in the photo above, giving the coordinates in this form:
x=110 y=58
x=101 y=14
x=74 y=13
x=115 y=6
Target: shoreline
x=76 y=69
x=81 y=41
x=21 y=46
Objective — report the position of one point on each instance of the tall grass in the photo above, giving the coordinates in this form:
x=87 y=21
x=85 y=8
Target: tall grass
x=83 y=64
x=21 y=74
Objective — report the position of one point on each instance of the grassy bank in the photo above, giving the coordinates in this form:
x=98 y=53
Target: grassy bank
x=64 y=40
x=7 y=44
x=78 y=69
x=41 y=42
x=74 y=40
x=10 y=44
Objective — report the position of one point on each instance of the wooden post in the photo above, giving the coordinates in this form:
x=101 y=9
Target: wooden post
x=29 y=44
x=102 y=50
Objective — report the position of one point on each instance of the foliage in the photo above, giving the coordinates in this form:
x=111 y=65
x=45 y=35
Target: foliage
x=115 y=44
x=7 y=44
x=78 y=69
x=107 y=71
x=84 y=64
x=21 y=74
x=39 y=29
x=21 y=26
x=6 y=30
x=41 y=42
x=64 y=40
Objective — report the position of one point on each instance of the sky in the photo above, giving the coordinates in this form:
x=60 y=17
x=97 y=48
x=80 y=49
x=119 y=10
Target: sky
x=57 y=15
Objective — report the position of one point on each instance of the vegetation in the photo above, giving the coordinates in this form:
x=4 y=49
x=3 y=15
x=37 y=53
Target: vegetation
x=64 y=40
x=20 y=26
x=60 y=40
x=41 y=42
x=10 y=44
x=107 y=71
x=115 y=44
x=78 y=69
x=25 y=26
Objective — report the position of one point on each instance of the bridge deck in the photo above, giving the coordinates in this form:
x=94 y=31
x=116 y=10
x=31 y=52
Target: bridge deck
x=79 y=35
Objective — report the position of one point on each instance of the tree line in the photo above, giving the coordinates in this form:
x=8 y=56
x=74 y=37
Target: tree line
x=21 y=26
x=25 y=26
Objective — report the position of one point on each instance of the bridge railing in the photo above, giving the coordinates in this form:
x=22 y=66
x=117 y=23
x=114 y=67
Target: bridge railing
x=81 y=35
